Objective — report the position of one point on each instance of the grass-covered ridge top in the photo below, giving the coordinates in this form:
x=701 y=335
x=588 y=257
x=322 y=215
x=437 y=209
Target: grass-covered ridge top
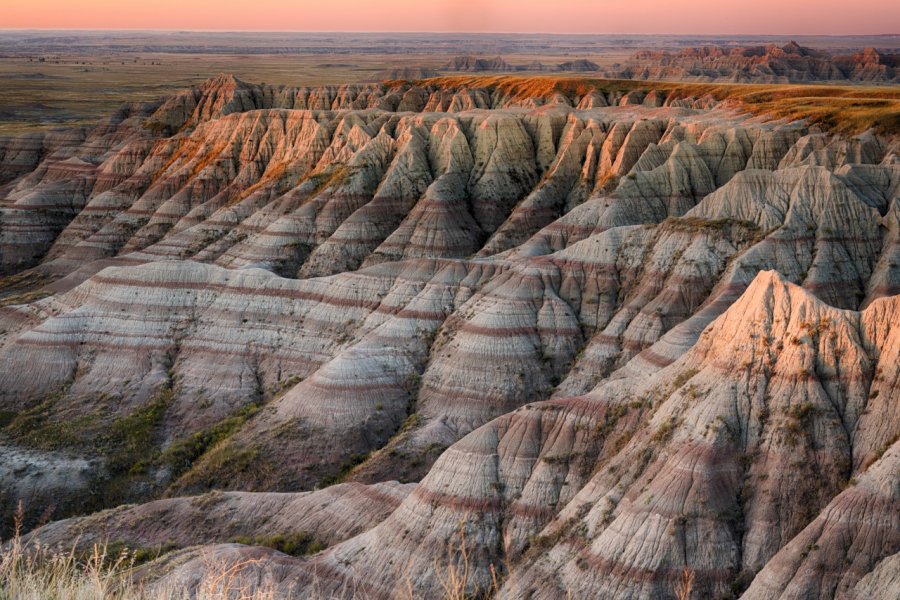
x=837 y=108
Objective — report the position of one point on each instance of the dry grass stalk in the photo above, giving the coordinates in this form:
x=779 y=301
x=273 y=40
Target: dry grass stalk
x=36 y=572
x=685 y=584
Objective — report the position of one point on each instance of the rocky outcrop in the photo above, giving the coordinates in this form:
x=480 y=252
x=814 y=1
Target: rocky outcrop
x=770 y=410
x=771 y=63
x=869 y=65
x=853 y=538
x=790 y=63
x=366 y=185
x=474 y=64
x=323 y=518
x=621 y=489
x=611 y=335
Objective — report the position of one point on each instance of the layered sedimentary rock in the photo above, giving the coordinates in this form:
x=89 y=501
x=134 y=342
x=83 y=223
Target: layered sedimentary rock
x=790 y=63
x=274 y=201
x=696 y=466
x=474 y=64
x=715 y=481
x=325 y=517
x=611 y=335
x=771 y=63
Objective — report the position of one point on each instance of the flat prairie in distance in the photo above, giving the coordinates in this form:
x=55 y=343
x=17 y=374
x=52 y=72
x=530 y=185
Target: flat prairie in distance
x=68 y=78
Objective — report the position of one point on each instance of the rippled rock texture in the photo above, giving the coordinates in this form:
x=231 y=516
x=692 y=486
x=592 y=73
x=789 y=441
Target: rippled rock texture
x=595 y=338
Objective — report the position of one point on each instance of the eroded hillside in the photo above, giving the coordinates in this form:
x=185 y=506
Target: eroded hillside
x=599 y=332
x=771 y=63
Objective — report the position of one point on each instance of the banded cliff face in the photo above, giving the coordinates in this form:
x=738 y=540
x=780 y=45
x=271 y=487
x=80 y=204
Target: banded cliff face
x=770 y=63
x=610 y=335
x=759 y=64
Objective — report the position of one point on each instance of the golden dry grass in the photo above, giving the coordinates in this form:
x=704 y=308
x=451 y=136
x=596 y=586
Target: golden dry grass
x=31 y=571
x=836 y=108
x=41 y=573
x=37 y=572
x=22 y=288
x=81 y=88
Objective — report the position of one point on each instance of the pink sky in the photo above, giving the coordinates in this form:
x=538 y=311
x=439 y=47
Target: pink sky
x=551 y=16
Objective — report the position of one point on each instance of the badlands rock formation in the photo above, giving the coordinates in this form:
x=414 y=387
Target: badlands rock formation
x=595 y=337
x=790 y=63
x=473 y=64
x=760 y=64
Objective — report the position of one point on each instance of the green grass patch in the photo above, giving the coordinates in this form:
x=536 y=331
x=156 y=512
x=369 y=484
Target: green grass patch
x=38 y=427
x=118 y=550
x=7 y=417
x=293 y=544
x=24 y=298
x=181 y=455
x=222 y=466
x=344 y=470
x=684 y=377
x=696 y=223
x=129 y=439
x=664 y=432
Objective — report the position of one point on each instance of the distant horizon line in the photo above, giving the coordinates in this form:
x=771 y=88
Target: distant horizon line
x=410 y=32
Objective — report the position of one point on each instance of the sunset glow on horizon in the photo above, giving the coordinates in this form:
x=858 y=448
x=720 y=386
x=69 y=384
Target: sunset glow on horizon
x=772 y=17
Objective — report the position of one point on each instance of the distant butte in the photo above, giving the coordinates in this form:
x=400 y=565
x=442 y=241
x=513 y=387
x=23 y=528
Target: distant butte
x=790 y=63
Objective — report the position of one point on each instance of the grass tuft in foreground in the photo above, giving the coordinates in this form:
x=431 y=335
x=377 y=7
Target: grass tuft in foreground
x=36 y=572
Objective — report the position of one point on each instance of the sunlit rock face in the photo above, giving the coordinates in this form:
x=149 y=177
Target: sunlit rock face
x=597 y=338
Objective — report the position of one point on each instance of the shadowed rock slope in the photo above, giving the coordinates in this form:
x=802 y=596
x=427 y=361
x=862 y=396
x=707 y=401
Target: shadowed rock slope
x=612 y=333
